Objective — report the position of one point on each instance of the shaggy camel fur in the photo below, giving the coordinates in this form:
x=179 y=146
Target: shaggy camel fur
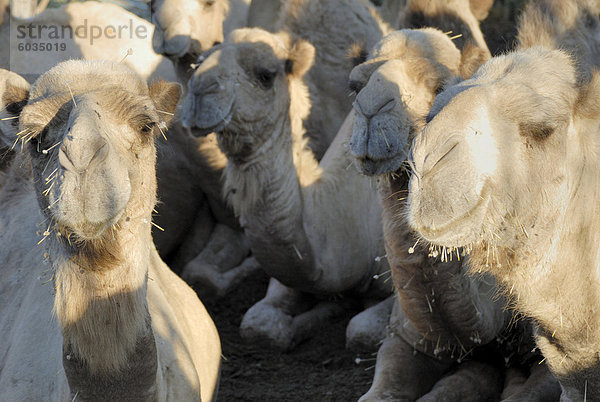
x=250 y=91
x=521 y=154
x=324 y=23
x=397 y=87
x=458 y=17
x=13 y=94
x=571 y=25
x=87 y=185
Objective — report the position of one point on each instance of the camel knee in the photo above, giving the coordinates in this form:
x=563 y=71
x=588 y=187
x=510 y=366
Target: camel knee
x=366 y=330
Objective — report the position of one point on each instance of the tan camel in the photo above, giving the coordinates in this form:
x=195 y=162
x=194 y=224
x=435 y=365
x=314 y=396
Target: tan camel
x=86 y=184
x=190 y=209
x=521 y=152
x=251 y=90
x=324 y=23
x=397 y=86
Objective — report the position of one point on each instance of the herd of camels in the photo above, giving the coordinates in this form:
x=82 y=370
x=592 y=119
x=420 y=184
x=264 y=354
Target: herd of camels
x=326 y=143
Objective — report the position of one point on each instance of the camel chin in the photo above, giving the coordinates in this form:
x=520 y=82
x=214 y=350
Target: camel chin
x=443 y=229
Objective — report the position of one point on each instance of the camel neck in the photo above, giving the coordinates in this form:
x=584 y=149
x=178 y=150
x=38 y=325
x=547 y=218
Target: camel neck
x=453 y=319
x=104 y=318
x=266 y=194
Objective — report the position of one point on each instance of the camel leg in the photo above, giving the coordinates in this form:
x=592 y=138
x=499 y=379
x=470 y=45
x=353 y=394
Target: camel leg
x=222 y=264
x=195 y=239
x=540 y=386
x=285 y=317
x=366 y=330
x=401 y=372
x=471 y=382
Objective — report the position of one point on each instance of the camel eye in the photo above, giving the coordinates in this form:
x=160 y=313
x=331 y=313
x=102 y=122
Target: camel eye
x=355 y=86
x=147 y=128
x=210 y=3
x=266 y=77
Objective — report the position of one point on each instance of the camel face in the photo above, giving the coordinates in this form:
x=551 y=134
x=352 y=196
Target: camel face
x=397 y=86
x=187 y=26
x=241 y=87
x=465 y=184
x=92 y=150
x=13 y=96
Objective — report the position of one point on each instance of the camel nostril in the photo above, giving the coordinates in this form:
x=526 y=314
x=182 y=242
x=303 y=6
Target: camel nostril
x=432 y=165
x=78 y=157
x=203 y=89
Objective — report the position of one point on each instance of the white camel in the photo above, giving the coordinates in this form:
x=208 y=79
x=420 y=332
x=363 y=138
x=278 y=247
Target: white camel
x=76 y=219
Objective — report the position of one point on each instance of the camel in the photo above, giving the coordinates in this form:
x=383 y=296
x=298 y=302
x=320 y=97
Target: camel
x=522 y=199
x=324 y=24
x=327 y=86
x=250 y=90
x=331 y=38
x=187 y=28
x=432 y=320
x=126 y=327
x=192 y=220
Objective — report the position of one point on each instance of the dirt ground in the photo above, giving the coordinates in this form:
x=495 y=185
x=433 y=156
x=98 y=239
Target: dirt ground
x=320 y=369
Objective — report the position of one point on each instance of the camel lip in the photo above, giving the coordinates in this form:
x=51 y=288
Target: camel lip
x=443 y=235
x=202 y=131
x=379 y=166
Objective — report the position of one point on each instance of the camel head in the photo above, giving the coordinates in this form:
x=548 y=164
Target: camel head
x=496 y=145
x=186 y=28
x=243 y=89
x=14 y=91
x=90 y=126
x=395 y=89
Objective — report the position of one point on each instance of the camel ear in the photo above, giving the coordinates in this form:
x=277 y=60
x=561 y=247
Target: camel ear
x=165 y=96
x=13 y=100
x=301 y=58
x=481 y=8
x=471 y=58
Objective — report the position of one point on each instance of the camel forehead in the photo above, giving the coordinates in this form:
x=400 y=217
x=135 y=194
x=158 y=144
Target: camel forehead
x=80 y=76
x=425 y=42
x=272 y=43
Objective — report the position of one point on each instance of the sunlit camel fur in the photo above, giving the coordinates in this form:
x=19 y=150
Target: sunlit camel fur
x=571 y=25
x=397 y=86
x=315 y=228
x=324 y=23
x=89 y=309
x=460 y=18
x=521 y=154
